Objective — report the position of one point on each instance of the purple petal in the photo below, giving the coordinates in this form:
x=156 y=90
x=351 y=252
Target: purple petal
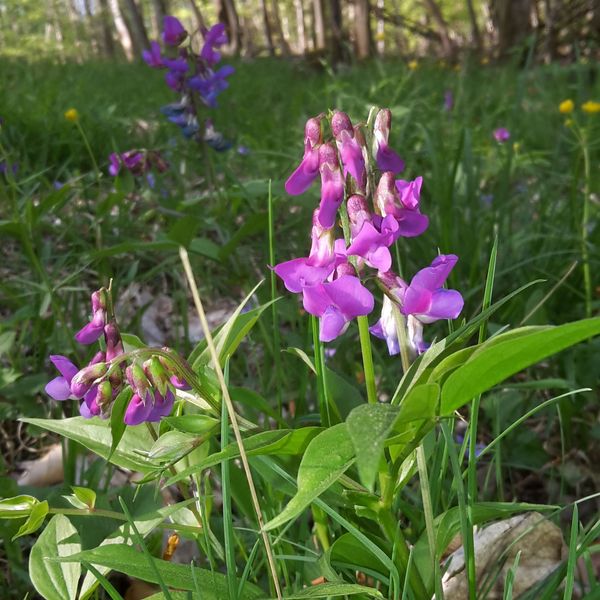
x=350 y=296
x=90 y=333
x=173 y=31
x=332 y=324
x=65 y=367
x=332 y=195
x=411 y=223
x=300 y=180
x=138 y=411
x=58 y=389
x=315 y=300
x=416 y=301
x=352 y=158
x=298 y=274
x=445 y=304
x=162 y=406
x=380 y=259
x=434 y=276
x=388 y=159
x=89 y=401
x=410 y=192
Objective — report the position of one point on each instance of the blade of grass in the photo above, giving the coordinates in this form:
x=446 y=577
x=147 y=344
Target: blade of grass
x=187 y=267
x=572 y=560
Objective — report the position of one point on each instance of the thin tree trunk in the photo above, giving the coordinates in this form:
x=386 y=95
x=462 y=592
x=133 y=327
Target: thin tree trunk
x=267 y=28
x=380 y=28
x=160 y=10
x=337 y=32
x=436 y=15
x=227 y=13
x=136 y=24
x=197 y=14
x=362 y=28
x=108 y=43
x=300 y=27
x=283 y=43
x=319 y=25
x=475 y=34
x=122 y=29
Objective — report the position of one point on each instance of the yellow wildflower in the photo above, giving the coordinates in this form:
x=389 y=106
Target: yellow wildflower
x=72 y=115
x=566 y=107
x=591 y=107
x=413 y=64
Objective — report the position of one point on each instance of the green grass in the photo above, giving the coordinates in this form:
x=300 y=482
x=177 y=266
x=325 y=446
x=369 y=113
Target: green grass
x=59 y=244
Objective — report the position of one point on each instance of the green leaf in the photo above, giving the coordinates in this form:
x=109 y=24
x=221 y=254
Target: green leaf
x=280 y=442
x=125 y=559
x=350 y=551
x=17 y=507
x=52 y=580
x=117 y=415
x=145 y=524
x=172 y=445
x=96 y=436
x=326 y=458
x=302 y=356
x=82 y=497
x=34 y=521
x=326 y=590
x=369 y=426
x=508 y=354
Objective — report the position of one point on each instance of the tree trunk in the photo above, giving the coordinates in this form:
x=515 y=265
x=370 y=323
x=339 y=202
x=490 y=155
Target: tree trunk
x=122 y=29
x=362 y=28
x=475 y=34
x=380 y=31
x=512 y=19
x=227 y=13
x=300 y=27
x=108 y=43
x=337 y=32
x=319 y=25
x=160 y=10
x=136 y=25
x=444 y=31
x=283 y=43
x=197 y=14
x=267 y=28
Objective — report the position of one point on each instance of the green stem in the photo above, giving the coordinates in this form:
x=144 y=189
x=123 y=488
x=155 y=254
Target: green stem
x=88 y=148
x=585 y=254
x=367 y=356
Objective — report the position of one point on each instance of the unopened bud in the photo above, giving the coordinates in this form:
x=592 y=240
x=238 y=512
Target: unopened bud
x=104 y=395
x=99 y=300
x=156 y=374
x=137 y=379
x=386 y=196
x=358 y=212
x=341 y=122
x=85 y=378
x=114 y=343
x=312 y=131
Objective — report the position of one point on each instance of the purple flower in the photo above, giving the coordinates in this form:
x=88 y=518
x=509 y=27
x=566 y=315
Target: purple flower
x=95 y=328
x=332 y=185
x=176 y=65
x=299 y=273
x=501 y=135
x=448 y=100
x=336 y=303
x=426 y=299
x=351 y=151
x=173 y=31
x=60 y=387
x=373 y=240
x=175 y=80
x=306 y=172
x=404 y=206
x=153 y=57
x=162 y=406
x=385 y=328
x=138 y=410
x=114 y=165
x=214 y=37
x=387 y=159
x=210 y=85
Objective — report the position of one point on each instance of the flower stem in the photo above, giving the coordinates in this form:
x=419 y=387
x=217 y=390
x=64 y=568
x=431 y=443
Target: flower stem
x=367 y=356
x=585 y=253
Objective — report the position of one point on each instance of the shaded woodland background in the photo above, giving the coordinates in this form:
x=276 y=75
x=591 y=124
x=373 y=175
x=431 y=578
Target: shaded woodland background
x=334 y=30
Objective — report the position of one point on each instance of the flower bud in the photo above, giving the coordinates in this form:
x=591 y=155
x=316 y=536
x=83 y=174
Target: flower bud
x=386 y=196
x=169 y=365
x=312 y=131
x=104 y=395
x=99 y=300
x=85 y=378
x=114 y=344
x=156 y=374
x=137 y=379
x=358 y=213
x=341 y=122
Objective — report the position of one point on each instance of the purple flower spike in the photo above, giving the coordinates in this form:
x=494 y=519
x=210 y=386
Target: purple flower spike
x=386 y=158
x=337 y=303
x=501 y=135
x=351 y=152
x=153 y=57
x=173 y=31
x=426 y=299
x=300 y=180
x=138 y=411
x=60 y=387
x=332 y=186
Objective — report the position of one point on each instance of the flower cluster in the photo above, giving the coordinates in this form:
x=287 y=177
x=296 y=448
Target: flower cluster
x=195 y=77
x=152 y=382
x=137 y=162
x=358 y=172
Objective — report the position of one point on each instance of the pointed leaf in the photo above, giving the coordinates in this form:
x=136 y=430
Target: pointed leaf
x=34 y=521
x=327 y=457
x=55 y=581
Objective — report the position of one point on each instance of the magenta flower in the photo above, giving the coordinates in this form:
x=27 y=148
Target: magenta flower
x=351 y=152
x=332 y=185
x=173 y=31
x=95 y=328
x=336 y=303
x=386 y=328
x=501 y=135
x=373 y=240
x=299 y=273
x=301 y=179
x=386 y=158
x=153 y=57
x=138 y=410
x=60 y=387
x=405 y=207
x=426 y=299
x=162 y=407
